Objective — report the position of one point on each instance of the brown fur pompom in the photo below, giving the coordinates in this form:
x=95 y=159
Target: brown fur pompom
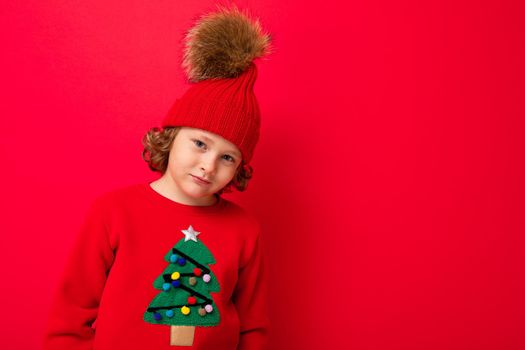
x=222 y=44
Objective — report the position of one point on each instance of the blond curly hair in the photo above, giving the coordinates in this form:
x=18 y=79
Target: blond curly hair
x=157 y=145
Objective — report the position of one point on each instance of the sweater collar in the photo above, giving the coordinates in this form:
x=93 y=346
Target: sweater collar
x=188 y=209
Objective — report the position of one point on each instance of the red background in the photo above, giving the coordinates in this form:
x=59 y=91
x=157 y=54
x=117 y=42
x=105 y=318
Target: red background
x=389 y=177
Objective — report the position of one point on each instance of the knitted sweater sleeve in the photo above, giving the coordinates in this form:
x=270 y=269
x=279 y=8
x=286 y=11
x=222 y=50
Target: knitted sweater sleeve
x=75 y=305
x=250 y=299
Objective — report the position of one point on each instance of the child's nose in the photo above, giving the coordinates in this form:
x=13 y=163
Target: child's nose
x=208 y=165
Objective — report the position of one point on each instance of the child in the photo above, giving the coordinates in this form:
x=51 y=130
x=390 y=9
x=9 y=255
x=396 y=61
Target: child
x=170 y=263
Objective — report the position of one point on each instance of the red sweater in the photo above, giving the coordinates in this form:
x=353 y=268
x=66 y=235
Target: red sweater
x=137 y=267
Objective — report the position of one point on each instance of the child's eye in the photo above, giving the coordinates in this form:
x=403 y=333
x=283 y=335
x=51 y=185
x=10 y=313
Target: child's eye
x=230 y=158
x=198 y=143
x=201 y=144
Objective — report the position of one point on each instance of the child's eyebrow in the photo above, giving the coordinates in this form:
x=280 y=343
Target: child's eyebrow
x=205 y=138
x=211 y=141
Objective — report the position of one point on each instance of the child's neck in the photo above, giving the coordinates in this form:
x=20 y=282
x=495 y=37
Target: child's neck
x=167 y=188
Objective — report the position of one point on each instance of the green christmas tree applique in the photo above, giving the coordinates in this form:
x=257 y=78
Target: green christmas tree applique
x=185 y=301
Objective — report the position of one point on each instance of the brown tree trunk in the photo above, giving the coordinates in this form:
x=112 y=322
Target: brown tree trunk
x=182 y=335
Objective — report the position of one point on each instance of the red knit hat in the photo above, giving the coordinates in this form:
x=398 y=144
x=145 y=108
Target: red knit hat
x=218 y=59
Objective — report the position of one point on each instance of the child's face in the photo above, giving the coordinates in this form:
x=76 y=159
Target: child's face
x=199 y=153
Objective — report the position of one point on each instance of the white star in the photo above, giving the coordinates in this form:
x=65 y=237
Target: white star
x=190 y=233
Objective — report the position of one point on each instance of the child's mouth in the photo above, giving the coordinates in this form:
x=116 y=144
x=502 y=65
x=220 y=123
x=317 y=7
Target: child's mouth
x=200 y=181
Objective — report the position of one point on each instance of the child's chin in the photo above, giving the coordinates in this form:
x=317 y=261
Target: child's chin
x=198 y=192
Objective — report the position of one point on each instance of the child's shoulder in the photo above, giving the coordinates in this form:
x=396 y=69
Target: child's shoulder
x=242 y=216
x=118 y=195
x=126 y=195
